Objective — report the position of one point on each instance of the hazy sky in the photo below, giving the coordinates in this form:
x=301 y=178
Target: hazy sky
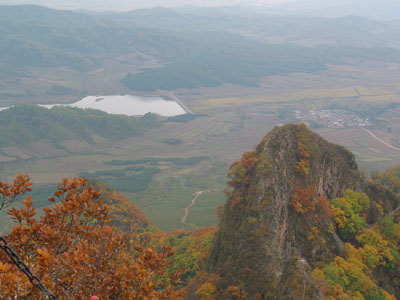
x=375 y=8
x=124 y=4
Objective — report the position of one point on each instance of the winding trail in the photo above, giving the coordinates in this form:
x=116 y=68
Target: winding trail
x=380 y=140
x=196 y=196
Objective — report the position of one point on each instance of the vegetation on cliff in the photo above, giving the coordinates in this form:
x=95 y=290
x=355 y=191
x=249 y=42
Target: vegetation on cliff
x=301 y=222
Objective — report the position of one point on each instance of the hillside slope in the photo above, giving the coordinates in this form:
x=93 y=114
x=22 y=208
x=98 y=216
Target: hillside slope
x=297 y=225
x=26 y=123
x=163 y=49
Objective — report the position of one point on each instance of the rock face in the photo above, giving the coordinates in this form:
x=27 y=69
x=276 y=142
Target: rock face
x=274 y=227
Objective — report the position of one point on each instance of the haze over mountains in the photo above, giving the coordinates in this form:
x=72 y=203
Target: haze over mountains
x=175 y=48
x=371 y=8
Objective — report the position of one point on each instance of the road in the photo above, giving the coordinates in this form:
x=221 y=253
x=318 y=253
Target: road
x=180 y=103
x=380 y=140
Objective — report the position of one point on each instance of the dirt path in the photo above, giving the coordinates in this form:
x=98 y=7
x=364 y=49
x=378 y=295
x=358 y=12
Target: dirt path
x=196 y=196
x=380 y=140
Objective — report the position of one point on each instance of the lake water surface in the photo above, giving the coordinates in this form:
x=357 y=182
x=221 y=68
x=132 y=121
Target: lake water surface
x=126 y=105
x=129 y=105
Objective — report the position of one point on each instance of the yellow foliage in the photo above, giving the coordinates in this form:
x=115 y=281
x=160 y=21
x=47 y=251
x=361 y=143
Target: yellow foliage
x=339 y=216
x=314 y=232
x=206 y=292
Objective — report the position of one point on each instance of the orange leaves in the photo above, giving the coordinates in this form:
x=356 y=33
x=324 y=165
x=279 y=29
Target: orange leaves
x=21 y=184
x=78 y=199
x=323 y=207
x=9 y=193
x=235 y=293
x=76 y=253
x=15 y=215
x=303 y=200
x=249 y=160
x=240 y=171
x=4 y=267
x=236 y=201
x=28 y=212
x=25 y=214
x=44 y=255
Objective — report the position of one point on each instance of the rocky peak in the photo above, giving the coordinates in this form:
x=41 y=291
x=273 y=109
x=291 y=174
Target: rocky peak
x=274 y=224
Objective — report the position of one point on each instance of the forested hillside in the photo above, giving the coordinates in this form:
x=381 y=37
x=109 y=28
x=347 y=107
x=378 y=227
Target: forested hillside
x=170 y=49
x=27 y=123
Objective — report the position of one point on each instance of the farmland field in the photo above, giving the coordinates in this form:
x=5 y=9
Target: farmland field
x=231 y=119
x=370 y=153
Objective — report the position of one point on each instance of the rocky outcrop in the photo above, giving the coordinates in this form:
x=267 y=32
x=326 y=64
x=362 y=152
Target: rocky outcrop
x=273 y=227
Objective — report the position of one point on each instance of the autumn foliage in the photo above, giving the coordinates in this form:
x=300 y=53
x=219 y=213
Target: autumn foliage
x=76 y=253
x=9 y=193
x=303 y=200
x=240 y=171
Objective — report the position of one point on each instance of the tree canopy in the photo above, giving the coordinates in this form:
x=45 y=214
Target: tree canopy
x=76 y=253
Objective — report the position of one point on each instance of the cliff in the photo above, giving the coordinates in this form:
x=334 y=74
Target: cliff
x=283 y=221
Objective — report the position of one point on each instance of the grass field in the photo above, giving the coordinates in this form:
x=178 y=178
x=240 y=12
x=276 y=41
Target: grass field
x=279 y=98
x=203 y=213
x=169 y=193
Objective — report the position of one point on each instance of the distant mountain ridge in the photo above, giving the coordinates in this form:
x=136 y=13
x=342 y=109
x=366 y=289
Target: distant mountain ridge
x=185 y=48
x=371 y=8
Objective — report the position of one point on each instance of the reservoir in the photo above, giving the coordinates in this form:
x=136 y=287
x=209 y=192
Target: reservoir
x=129 y=105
